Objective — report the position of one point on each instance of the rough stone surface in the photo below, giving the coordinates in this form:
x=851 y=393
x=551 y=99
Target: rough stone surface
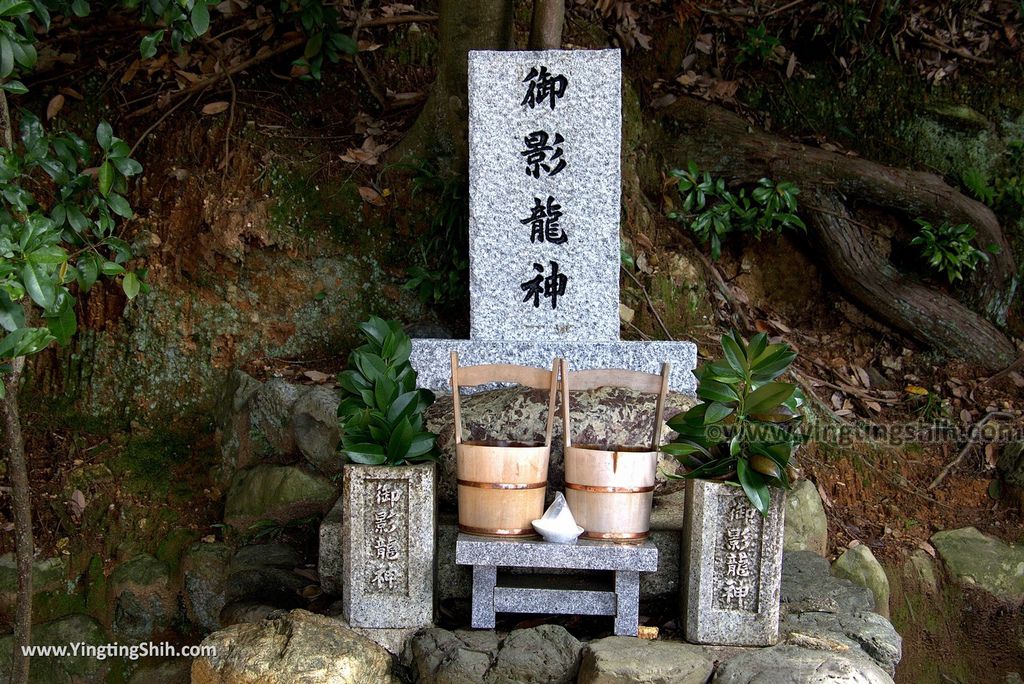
x=297 y=647
x=387 y=545
x=819 y=611
x=204 y=572
x=547 y=653
x=987 y=563
x=65 y=669
x=808 y=585
x=263 y=574
x=921 y=566
x=731 y=599
x=278 y=493
x=789 y=664
x=394 y=641
x=329 y=565
x=622 y=660
x=143 y=598
x=315 y=426
x=48 y=575
x=174 y=671
x=866 y=631
x=232 y=434
x=806 y=524
x=603 y=416
x=432 y=358
x=584 y=554
x=861 y=567
x=271 y=416
x=584 y=182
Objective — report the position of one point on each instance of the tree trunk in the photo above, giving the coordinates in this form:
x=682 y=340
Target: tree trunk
x=440 y=133
x=546 y=28
x=22 y=505
x=21 y=493
x=726 y=145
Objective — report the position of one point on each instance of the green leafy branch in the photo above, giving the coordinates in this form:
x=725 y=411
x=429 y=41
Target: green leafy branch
x=713 y=211
x=949 y=248
x=743 y=432
x=381 y=411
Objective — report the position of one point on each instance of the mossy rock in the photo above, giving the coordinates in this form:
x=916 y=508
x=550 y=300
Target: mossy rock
x=860 y=567
x=977 y=560
x=279 y=493
x=53 y=594
x=68 y=669
x=143 y=598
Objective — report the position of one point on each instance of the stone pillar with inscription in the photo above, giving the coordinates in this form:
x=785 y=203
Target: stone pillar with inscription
x=544 y=201
x=732 y=566
x=388 y=533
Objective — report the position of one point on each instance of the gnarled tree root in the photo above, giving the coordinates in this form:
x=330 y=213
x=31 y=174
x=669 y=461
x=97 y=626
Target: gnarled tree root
x=726 y=145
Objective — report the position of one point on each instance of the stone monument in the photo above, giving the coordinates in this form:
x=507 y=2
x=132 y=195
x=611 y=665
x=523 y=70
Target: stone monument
x=544 y=187
x=387 y=548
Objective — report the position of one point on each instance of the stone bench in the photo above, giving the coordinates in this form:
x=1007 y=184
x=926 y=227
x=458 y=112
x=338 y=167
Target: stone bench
x=561 y=595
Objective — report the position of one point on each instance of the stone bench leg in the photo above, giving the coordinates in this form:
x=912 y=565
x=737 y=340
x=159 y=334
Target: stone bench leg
x=485 y=577
x=627 y=602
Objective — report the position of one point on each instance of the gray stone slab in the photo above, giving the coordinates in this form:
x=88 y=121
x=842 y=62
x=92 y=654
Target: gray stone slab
x=432 y=358
x=557 y=601
x=485 y=577
x=732 y=566
x=544 y=147
x=388 y=546
x=584 y=555
x=329 y=565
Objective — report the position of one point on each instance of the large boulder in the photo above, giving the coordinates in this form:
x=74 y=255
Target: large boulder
x=984 y=562
x=65 y=669
x=610 y=416
x=860 y=566
x=279 y=493
x=297 y=647
x=624 y=660
x=806 y=524
x=316 y=430
x=819 y=611
x=143 y=598
x=790 y=664
x=204 y=573
x=53 y=595
x=547 y=654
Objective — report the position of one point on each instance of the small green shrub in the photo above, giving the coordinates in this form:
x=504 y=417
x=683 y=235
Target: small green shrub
x=381 y=411
x=949 y=248
x=744 y=431
x=441 y=276
x=758 y=46
x=712 y=211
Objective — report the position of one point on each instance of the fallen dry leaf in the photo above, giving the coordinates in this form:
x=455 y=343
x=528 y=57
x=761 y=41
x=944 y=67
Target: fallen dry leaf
x=54 y=107
x=215 y=108
x=371 y=196
x=317 y=376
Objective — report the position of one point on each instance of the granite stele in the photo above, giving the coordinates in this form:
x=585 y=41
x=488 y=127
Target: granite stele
x=544 y=188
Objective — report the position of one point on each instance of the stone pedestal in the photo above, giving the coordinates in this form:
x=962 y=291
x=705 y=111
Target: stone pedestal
x=387 y=541
x=555 y=594
x=732 y=566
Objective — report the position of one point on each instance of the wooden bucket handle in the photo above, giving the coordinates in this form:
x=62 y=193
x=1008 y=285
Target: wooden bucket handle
x=529 y=376
x=643 y=382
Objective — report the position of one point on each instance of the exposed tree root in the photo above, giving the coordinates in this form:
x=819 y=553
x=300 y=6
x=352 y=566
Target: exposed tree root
x=726 y=145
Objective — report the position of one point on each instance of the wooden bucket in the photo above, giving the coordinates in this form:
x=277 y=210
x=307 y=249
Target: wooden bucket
x=501 y=484
x=610 y=490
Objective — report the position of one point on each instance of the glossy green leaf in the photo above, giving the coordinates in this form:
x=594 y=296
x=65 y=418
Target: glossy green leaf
x=754 y=486
x=200 y=17
x=105 y=178
x=712 y=390
x=12 y=315
x=39 y=282
x=734 y=355
x=130 y=285
x=24 y=342
x=768 y=397
x=716 y=412
x=147 y=47
x=367 y=454
x=104 y=135
x=63 y=323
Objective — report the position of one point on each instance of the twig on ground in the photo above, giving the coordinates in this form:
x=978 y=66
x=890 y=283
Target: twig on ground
x=363 y=71
x=231 y=122
x=199 y=86
x=650 y=304
x=156 y=124
x=971 y=440
x=1016 y=365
